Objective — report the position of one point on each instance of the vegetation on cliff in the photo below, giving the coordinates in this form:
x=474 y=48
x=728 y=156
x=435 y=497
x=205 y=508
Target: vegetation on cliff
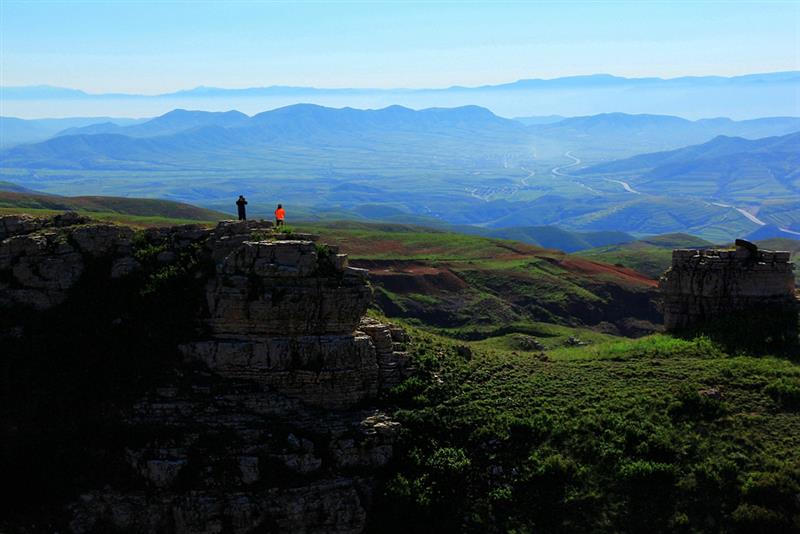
x=659 y=434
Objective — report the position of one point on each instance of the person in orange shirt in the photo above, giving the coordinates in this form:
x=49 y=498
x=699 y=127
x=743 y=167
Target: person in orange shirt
x=280 y=215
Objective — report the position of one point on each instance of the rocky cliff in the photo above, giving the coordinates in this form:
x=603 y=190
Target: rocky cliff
x=703 y=286
x=239 y=377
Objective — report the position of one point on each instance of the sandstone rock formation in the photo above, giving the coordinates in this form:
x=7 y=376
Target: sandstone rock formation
x=269 y=421
x=707 y=285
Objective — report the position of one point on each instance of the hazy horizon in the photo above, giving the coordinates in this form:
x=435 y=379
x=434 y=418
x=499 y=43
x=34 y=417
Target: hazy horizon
x=220 y=86
x=748 y=96
x=167 y=46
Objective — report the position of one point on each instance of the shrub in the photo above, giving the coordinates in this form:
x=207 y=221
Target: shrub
x=785 y=392
x=325 y=266
x=691 y=404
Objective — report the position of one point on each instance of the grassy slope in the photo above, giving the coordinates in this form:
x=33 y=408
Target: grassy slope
x=133 y=211
x=659 y=434
x=476 y=287
x=651 y=256
x=615 y=436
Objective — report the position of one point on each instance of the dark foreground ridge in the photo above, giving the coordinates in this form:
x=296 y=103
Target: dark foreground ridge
x=189 y=379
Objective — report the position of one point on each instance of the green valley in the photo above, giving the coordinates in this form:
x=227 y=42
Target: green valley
x=439 y=166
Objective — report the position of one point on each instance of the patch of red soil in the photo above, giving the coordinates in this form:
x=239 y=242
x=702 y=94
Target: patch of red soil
x=411 y=277
x=593 y=268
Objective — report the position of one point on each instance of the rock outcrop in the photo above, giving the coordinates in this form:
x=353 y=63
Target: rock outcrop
x=268 y=422
x=703 y=286
x=41 y=259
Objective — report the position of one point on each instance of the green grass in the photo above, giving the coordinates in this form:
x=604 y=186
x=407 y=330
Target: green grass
x=380 y=241
x=507 y=282
x=658 y=434
x=651 y=256
x=137 y=221
x=108 y=207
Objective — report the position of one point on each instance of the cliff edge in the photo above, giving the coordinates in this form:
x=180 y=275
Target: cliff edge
x=256 y=406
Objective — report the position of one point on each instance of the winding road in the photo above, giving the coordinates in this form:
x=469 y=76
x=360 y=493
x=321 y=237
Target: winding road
x=625 y=186
x=525 y=180
x=752 y=217
x=575 y=161
x=556 y=171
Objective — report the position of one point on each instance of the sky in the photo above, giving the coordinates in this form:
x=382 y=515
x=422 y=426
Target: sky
x=153 y=47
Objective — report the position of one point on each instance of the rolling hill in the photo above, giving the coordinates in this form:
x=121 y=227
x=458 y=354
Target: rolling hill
x=137 y=211
x=604 y=136
x=175 y=121
x=725 y=168
x=9 y=186
x=15 y=131
x=473 y=287
x=182 y=139
x=616 y=135
x=650 y=256
x=653 y=255
x=553 y=237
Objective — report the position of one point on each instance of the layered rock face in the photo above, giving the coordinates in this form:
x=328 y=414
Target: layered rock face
x=40 y=261
x=268 y=423
x=706 y=285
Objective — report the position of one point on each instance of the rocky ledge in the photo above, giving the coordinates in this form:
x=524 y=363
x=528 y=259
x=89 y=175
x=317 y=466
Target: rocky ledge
x=267 y=418
x=703 y=286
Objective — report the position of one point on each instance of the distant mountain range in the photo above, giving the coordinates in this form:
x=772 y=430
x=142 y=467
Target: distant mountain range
x=749 y=96
x=592 y=80
x=613 y=135
x=228 y=140
x=460 y=166
x=607 y=135
x=14 y=131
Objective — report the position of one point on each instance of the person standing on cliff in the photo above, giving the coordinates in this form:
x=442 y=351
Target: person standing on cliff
x=280 y=215
x=240 y=207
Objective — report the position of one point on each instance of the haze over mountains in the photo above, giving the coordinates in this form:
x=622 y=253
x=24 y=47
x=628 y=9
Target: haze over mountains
x=749 y=96
x=14 y=131
x=451 y=166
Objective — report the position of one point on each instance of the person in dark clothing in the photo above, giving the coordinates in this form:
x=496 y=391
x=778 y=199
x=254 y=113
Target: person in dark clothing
x=240 y=206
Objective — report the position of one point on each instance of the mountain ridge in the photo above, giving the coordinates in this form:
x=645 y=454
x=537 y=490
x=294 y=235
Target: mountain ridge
x=14 y=92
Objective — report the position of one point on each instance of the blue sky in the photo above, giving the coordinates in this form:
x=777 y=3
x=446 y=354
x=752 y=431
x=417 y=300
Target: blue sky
x=152 y=47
